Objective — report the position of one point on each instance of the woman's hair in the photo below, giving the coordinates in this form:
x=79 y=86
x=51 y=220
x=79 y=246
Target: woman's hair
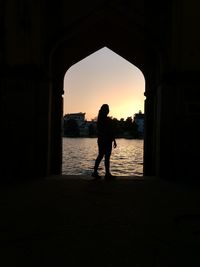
x=103 y=112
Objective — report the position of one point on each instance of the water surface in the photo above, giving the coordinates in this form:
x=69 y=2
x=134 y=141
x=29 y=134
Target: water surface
x=79 y=155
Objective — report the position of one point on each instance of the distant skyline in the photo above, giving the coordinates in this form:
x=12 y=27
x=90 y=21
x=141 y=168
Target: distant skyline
x=104 y=77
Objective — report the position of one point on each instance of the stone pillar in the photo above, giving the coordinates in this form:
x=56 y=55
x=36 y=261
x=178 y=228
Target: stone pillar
x=56 y=128
x=179 y=134
x=24 y=123
x=150 y=138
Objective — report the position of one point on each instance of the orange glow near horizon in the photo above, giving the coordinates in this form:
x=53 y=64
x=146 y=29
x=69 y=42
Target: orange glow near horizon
x=104 y=77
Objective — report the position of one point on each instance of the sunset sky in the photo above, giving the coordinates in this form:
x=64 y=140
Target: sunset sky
x=104 y=77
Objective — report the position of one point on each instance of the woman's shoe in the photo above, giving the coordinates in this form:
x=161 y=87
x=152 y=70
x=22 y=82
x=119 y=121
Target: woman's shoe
x=96 y=175
x=109 y=176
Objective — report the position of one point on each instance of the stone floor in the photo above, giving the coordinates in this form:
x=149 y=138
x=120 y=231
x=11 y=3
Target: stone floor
x=75 y=221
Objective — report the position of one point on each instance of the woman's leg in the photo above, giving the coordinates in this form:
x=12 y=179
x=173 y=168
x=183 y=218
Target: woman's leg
x=100 y=156
x=97 y=162
x=107 y=158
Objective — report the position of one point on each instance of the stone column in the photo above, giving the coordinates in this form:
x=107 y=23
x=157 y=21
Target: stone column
x=179 y=135
x=24 y=123
x=150 y=138
x=56 y=128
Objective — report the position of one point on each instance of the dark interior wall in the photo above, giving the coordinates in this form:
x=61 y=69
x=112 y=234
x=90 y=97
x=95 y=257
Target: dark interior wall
x=179 y=145
x=24 y=91
x=41 y=40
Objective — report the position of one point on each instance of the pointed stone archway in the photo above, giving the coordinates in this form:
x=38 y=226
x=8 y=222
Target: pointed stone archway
x=85 y=40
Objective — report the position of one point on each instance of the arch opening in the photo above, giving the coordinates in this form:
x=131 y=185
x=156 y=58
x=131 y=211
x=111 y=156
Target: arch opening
x=103 y=77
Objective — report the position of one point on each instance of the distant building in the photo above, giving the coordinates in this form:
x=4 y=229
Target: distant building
x=139 y=120
x=78 y=117
x=85 y=128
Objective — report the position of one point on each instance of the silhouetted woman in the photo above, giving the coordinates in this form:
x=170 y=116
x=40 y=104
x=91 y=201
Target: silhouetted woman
x=105 y=140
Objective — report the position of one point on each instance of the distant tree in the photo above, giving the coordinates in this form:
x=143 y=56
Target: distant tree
x=128 y=124
x=124 y=128
x=118 y=127
x=130 y=127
